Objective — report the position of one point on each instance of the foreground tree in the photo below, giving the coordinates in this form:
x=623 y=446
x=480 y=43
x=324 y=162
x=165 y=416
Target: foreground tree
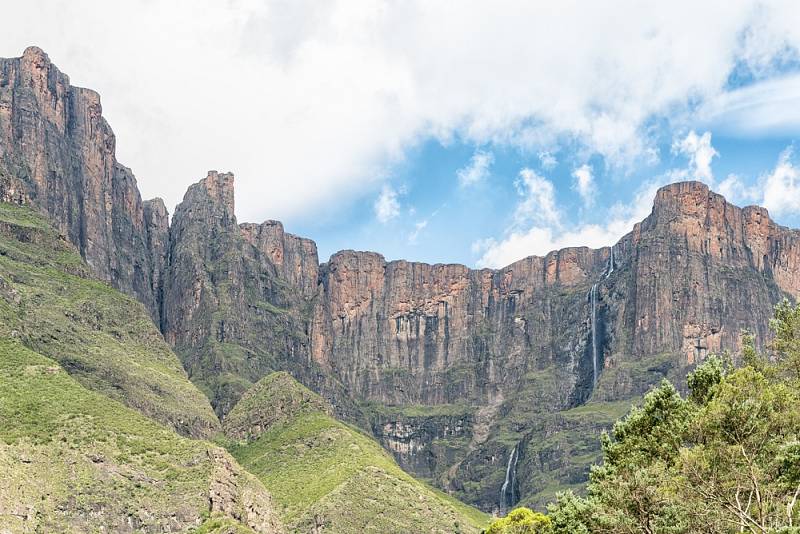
x=521 y=521
x=724 y=460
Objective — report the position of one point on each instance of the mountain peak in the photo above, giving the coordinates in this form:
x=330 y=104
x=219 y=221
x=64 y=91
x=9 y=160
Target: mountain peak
x=34 y=53
x=682 y=192
x=219 y=186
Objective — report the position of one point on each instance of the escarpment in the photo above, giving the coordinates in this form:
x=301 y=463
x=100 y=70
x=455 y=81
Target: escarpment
x=453 y=369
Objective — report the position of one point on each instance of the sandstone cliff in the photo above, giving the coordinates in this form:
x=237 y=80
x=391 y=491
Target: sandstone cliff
x=453 y=368
x=57 y=154
x=238 y=300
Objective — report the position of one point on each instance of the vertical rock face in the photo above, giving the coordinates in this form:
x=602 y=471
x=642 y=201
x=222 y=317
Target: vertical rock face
x=699 y=271
x=237 y=301
x=156 y=221
x=402 y=332
x=523 y=339
x=57 y=154
x=294 y=258
x=686 y=281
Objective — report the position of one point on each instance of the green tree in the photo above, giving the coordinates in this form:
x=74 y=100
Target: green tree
x=652 y=432
x=704 y=380
x=725 y=460
x=744 y=460
x=571 y=514
x=786 y=345
x=634 y=489
x=521 y=521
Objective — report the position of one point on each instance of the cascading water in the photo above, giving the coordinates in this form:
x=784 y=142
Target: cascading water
x=507 y=491
x=593 y=297
x=611 y=263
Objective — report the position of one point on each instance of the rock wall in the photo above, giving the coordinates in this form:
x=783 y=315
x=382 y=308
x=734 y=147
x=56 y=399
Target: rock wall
x=237 y=301
x=685 y=283
x=57 y=154
x=411 y=333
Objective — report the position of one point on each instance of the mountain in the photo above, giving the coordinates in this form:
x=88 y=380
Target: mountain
x=490 y=384
x=101 y=428
x=72 y=460
x=92 y=405
x=238 y=300
x=329 y=476
x=57 y=153
x=93 y=402
x=106 y=341
x=455 y=369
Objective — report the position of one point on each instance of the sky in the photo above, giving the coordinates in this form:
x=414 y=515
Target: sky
x=447 y=131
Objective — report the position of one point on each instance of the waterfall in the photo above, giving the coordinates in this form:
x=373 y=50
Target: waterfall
x=594 y=334
x=507 y=491
x=611 y=263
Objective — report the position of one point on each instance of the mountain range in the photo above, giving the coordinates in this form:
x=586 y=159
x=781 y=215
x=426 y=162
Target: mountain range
x=147 y=337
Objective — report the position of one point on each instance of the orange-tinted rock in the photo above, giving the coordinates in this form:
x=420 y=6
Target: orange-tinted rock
x=57 y=154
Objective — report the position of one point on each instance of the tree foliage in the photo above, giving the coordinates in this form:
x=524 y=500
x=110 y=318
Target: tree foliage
x=726 y=459
x=521 y=521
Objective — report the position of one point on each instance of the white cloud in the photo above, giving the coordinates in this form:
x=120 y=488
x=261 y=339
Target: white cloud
x=477 y=169
x=781 y=188
x=700 y=152
x=734 y=189
x=419 y=226
x=770 y=107
x=310 y=103
x=547 y=160
x=538 y=204
x=539 y=239
x=387 y=205
x=777 y=190
x=584 y=184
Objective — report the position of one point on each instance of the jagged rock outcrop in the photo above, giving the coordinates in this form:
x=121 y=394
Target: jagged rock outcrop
x=237 y=301
x=57 y=154
x=295 y=258
x=235 y=493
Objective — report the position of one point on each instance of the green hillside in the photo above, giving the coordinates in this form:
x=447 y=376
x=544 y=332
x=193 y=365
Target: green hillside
x=73 y=460
x=101 y=337
x=324 y=473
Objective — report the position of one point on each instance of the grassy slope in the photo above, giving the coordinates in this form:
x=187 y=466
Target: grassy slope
x=323 y=471
x=72 y=460
x=104 y=339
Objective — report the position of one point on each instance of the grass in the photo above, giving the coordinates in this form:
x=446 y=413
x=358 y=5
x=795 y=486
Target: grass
x=103 y=338
x=323 y=471
x=73 y=460
x=22 y=216
x=219 y=524
x=276 y=398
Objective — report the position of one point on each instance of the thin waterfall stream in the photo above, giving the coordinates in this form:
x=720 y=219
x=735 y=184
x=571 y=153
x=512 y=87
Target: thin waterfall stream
x=593 y=297
x=611 y=263
x=507 y=490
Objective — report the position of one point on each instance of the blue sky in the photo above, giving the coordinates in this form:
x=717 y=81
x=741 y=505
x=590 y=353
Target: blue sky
x=437 y=218
x=441 y=131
